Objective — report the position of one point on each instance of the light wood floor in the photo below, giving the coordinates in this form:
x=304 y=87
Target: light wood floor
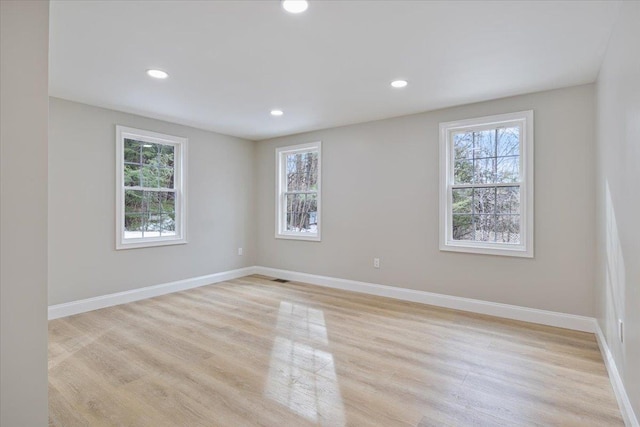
x=256 y=352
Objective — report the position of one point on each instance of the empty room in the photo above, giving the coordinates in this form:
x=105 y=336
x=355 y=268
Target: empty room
x=320 y=213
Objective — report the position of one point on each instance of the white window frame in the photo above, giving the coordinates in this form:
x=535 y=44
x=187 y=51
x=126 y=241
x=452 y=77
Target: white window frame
x=281 y=185
x=180 y=187
x=524 y=120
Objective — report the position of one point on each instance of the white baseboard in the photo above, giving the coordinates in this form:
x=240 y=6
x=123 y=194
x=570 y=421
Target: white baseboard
x=630 y=419
x=544 y=317
x=533 y=315
x=95 y=303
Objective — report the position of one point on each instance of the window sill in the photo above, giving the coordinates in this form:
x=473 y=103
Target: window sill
x=500 y=250
x=150 y=243
x=309 y=238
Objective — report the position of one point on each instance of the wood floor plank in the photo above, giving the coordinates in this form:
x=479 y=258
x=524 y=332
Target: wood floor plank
x=253 y=352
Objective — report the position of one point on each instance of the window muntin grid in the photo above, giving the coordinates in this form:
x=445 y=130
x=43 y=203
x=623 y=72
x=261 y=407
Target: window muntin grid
x=149 y=189
x=151 y=192
x=301 y=193
x=485 y=195
x=298 y=199
x=486 y=185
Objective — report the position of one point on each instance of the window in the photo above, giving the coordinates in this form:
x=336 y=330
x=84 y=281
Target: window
x=150 y=189
x=486 y=185
x=298 y=192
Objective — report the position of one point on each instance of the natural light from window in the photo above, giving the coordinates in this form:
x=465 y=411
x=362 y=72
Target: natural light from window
x=150 y=190
x=302 y=374
x=487 y=185
x=298 y=203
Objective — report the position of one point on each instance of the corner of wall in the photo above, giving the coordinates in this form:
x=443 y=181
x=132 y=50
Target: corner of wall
x=618 y=130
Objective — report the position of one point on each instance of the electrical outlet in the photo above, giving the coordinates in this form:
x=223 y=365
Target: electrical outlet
x=240 y=252
x=376 y=263
x=621 y=330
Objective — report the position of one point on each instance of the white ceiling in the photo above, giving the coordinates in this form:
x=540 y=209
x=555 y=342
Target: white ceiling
x=231 y=62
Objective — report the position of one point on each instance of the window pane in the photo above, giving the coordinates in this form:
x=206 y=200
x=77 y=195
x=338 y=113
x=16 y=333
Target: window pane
x=167 y=201
x=488 y=214
x=508 y=229
x=484 y=200
x=133 y=226
x=168 y=224
x=132 y=150
x=149 y=176
x=461 y=198
x=292 y=161
x=483 y=170
x=148 y=213
x=165 y=177
x=302 y=213
x=148 y=164
x=474 y=145
x=463 y=146
x=484 y=226
x=149 y=153
x=484 y=144
x=167 y=154
x=134 y=214
x=508 y=200
x=156 y=177
x=293 y=201
x=131 y=175
x=302 y=171
x=463 y=171
x=133 y=222
x=509 y=142
x=508 y=169
x=151 y=201
x=462 y=227
x=133 y=201
x=164 y=216
x=152 y=225
x=487 y=156
x=158 y=155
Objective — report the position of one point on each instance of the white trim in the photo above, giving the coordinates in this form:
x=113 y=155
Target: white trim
x=507 y=311
x=280 y=185
x=514 y=312
x=95 y=303
x=180 y=187
x=523 y=119
x=628 y=415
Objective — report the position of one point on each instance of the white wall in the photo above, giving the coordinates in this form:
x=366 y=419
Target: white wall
x=618 y=184
x=24 y=49
x=82 y=256
x=380 y=199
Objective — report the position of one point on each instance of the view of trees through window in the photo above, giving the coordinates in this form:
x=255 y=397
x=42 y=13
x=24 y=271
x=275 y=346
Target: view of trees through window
x=149 y=194
x=302 y=192
x=486 y=185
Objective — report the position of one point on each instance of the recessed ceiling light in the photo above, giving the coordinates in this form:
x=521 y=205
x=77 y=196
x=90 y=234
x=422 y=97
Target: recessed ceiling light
x=147 y=145
x=295 y=6
x=276 y=112
x=157 y=74
x=399 y=83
